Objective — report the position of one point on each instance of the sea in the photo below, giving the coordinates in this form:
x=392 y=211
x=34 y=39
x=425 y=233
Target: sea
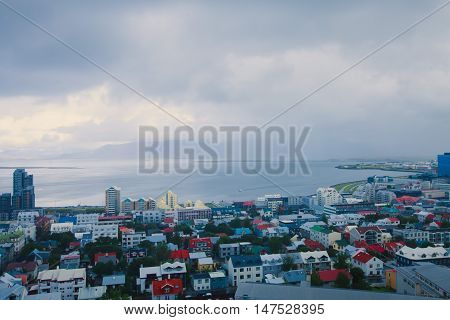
x=82 y=182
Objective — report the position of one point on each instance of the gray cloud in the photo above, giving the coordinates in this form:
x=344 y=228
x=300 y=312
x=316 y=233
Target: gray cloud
x=229 y=63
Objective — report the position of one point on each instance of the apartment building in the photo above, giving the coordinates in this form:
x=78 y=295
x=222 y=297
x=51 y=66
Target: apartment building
x=243 y=269
x=68 y=282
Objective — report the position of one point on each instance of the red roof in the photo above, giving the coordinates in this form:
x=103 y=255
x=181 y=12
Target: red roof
x=257 y=221
x=314 y=245
x=408 y=199
x=168 y=286
x=331 y=275
x=98 y=255
x=393 y=245
x=193 y=243
x=376 y=248
x=248 y=203
x=25 y=266
x=179 y=254
x=393 y=219
x=74 y=244
x=263 y=226
x=167 y=230
x=362 y=257
x=168 y=220
x=361 y=244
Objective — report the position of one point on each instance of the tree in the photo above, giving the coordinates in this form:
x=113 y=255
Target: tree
x=341 y=262
x=103 y=269
x=315 y=279
x=235 y=223
x=288 y=263
x=275 y=245
x=184 y=228
x=359 y=281
x=342 y=281
x=115 y=294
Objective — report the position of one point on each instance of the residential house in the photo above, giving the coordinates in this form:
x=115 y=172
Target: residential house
x=66 y=281
x=369 y=234
x=324 y=235
x=329 y=277
x=201 y=245
x=243 y=269
x=167 y=289
x=272 y=264
x=371 y=266
x=407 y=256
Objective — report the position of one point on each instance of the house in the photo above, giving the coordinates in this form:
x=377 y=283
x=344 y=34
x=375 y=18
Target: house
x=276 y=232
x=27 y=268
x=131 y=238
x=70 y=261
x=271 y=264
x=113 y=280
x=66 y=281
x=165 y=271
x=12 y=292
x=391 y=276
x=393 y=246
x=205 y=264
x=411 y=235
x=200 y=282
x=105 y=257
x=313 y=245
x=407 y=256
x=371 y=266
x=229 y=249
x=424 y=216
x=339 y=245
x=167 y=289
x=370 y=235
x=324 y=235
x=218 y=280
x=244 y=269
x=388 y=222
x=294 y=276
x=312 y=261
x=201 y=245
x=157 y=238
x=179 y=255
x=328 y=277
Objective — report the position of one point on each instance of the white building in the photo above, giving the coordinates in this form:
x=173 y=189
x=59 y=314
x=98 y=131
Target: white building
x=131 y=239
x=243 y=269
x=68 y=282
x=87 y=218
x=340 y=220
x=27 y=216
x=112 y=200
x=372 y=266
x=328 y=197
x=61 y=227
x=104 y=230
x=152 y=216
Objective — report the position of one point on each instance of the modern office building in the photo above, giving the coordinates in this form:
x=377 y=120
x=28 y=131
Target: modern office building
x=112 y=200
x=444 y=165
x=23 y=197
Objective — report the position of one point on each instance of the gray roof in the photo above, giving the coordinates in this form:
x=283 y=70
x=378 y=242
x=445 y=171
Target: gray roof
x=439 y=275
x=261 y=291
x=6 y=291
x=45 y=296
x=113 y=280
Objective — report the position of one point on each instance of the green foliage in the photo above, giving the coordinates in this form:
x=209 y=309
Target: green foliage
x=184 y=228
x=342 y=281
x=117 y=293
x=341 y=262
x=275 y=245
x=359 y=281
x=64 y=239
x=288 y=263
x=315 y=279
x=104 y=269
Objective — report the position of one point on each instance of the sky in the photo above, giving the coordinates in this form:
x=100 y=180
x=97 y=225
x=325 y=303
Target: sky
x=228 y=63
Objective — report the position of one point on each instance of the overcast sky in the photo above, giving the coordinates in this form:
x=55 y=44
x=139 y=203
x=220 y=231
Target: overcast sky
x=227 y=63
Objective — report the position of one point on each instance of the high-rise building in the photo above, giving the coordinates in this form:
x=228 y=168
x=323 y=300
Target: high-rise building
x=444 y=165
x=23 y=197
x=5 y=203
x=169 y=200
x=112 y=200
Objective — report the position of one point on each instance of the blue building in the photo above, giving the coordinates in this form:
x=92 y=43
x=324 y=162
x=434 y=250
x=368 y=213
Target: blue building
x=444 y=165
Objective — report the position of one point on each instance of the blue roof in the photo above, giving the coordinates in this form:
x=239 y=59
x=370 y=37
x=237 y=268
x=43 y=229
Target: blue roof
x=246 y=261
x=294 y=276
x=242 y=231
x=113 y=280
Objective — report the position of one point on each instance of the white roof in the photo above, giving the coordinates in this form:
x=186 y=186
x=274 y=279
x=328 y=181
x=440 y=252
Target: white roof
x=422 y=253
x=143 y=272
x=205 y=261
x=216 y=274
x=269 y=259
x=61 y=275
